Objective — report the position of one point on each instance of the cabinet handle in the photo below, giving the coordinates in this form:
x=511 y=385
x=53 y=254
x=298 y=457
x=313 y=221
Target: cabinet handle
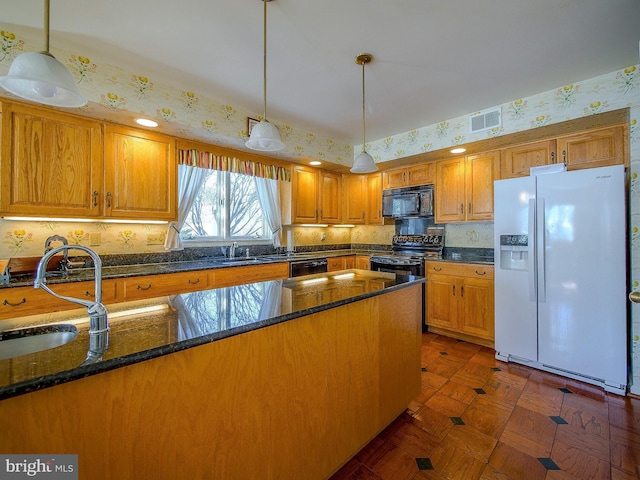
x=9 y=304
x=108 y=199
x=564 y=156
x=553 y=157
x=480 y=273
x=469 y=207
x=143 y=288
x=454 y=290
x=462 y=208
x=193 y=283
x=87 y=293
x=462 y=291
x=95 y=198
x=437 y=269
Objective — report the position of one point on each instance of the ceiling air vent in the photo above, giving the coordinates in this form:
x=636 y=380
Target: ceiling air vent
x=485 y=120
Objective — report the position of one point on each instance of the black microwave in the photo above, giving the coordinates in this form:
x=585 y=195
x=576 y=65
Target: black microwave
x=408 y=202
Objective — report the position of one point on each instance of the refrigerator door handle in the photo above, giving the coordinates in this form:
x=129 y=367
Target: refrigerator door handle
x=531 y=241
x=540 y=249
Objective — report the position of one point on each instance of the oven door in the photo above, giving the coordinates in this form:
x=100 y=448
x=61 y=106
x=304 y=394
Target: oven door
x=401 y=268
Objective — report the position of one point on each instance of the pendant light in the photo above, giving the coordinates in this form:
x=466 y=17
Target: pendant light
x=41 y=78
x=264 y=135
x=363 y=163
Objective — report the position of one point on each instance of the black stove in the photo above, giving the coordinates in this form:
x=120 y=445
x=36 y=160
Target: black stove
x=410 y=251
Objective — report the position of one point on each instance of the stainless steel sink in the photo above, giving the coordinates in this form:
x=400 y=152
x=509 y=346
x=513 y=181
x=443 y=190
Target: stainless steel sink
x=240 y=261
x=35 y=339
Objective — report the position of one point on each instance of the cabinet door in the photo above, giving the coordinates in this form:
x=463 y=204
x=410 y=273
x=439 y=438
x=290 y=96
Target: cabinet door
x=355 y=198
x=304 y=183
x=449 y=190
x=140 y=175
x=350 y=261
x=594 y=148
x=479 y=176
x=330 y=197
x=50 y=163
x=442 y=301
x=335 y=263
x=423 y=174
x=374 y=199
x=395 y=178
x=477 y=308
x=362 y=262
x=517 y=161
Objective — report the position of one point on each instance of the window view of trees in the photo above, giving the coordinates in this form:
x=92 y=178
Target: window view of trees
x=227 y=207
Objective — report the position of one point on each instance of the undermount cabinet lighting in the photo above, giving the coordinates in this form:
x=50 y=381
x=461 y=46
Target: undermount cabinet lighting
x=315 y=163
x=146 y=122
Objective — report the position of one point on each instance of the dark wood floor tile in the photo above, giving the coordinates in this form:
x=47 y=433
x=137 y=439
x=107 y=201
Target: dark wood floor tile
x=593 y=445
x=516 y=464
x=363 y=473
x=530 y=432
x=541 y=398
x=347 y=470
x=430 y=475
x=586 y=420
x=445 y=366
x=624 y=416
x=617 y=474
x=471 y=441
x=548 y=378
x=488 y=414
x=433 y=380
x=454 y=463
x=473 y=374
x=579 y=463
x=506 y=388
x=392 y=463
x=586 y=390
x=597 y=406
x=560 y=475
x=433 y=422
x=458 y=391
x=464 y=350
x=415 y=441
x=625 y=450
x=516 y=369
x=445 y=405
x=486 y=357
x=490 y=473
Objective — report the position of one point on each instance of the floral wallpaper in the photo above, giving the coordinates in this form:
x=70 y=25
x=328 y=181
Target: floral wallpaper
x=114 y=94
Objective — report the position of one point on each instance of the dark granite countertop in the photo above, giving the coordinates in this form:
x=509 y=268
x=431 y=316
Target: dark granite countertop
x=159 y=326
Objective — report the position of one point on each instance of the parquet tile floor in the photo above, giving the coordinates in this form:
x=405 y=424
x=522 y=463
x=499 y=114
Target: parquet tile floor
x=478 y=418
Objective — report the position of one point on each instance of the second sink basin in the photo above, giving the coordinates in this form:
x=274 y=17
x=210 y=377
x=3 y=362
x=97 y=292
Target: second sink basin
x=22 y=341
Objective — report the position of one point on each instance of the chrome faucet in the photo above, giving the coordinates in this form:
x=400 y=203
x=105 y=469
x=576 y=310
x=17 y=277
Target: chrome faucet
x=98 y=323
x=64 y=263
x=232 y=250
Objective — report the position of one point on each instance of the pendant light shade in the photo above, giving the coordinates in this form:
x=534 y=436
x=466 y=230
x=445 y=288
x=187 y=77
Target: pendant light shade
x=363 y=163
x=264 y=136
x=41 y=78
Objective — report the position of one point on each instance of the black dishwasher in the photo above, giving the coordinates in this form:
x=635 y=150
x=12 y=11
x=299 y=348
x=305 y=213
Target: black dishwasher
x=307 y=267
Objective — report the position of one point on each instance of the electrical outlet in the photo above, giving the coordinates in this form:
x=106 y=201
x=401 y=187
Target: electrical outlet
x=95 y=239
x=155 y=239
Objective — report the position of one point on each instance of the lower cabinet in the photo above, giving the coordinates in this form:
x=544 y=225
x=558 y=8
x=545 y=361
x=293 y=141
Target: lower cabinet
x=460 y=301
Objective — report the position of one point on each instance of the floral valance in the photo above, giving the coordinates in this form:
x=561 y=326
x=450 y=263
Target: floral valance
x=196 y=158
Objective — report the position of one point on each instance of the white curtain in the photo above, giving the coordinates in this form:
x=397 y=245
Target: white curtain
x=270 y=201
x=190 y=180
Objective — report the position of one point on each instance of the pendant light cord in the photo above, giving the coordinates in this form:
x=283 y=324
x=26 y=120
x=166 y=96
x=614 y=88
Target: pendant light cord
x=363 y=110
x=264 y=59
x=46 y=26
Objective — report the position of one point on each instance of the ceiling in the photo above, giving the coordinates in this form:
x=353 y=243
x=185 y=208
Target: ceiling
x=433 y=60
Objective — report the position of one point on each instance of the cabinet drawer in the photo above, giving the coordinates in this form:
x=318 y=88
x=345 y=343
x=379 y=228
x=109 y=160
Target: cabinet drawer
x=335 y=264
x=149 y=286
x=22 y=301
x=226 y=277
x=473 y=270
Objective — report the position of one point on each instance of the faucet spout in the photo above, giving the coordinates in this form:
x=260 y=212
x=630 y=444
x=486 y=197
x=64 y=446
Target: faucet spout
x=98 y=322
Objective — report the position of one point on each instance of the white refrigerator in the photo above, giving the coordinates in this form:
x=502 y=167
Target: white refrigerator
x=560 y=274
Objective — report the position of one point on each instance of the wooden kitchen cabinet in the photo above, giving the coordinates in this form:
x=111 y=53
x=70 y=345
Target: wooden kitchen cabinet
x=226 y=277
x=21 y=301
x=464 y=187
x=517 y=161
x=335 y=263
x=149 y=286
x=141 y=178
x=594 y=148
x=355 y=198
x=51 y=163
x=349 y=262
x=363 y=262
x=315 y=196
x=421 y=174
x=374 y=199
x=460 y=301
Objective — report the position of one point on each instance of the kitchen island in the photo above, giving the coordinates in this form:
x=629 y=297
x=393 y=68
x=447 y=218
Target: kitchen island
x=279 y=379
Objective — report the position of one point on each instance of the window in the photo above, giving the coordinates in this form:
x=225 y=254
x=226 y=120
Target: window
x=227 y=208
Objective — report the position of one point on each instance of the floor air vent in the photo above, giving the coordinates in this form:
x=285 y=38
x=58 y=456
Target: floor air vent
x=485 y=120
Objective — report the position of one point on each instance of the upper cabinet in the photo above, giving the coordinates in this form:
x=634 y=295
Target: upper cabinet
x=141 y=175
x=421 y=174
x=354 y=188
x=374 y=199
x=314 y=196
x=464 y=187
x=593 y=148
x=517 y=161
x=60 y=165
x=51 y=163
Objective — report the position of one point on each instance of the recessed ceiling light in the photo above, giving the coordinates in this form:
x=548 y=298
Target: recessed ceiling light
x=145 y=122
x=458 y=150
x=315 y=163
